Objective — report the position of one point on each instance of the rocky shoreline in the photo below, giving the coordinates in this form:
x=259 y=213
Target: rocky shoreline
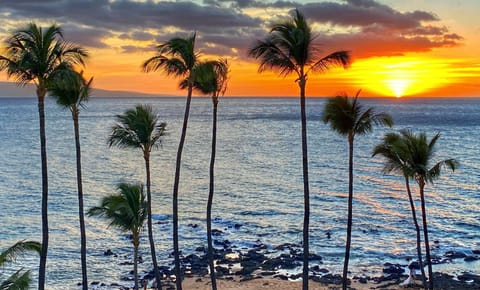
x=284 y=262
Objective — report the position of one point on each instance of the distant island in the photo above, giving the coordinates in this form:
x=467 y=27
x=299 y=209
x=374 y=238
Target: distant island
x=10 y=89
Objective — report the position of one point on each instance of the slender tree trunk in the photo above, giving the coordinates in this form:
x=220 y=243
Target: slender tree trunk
x=81 y=216
x=41 y=92
x=210 y=198
x=350 y=212
x=417 y=229
x=425 y=234
x=136 y=242
x=306 y=190
x=149 y=221
x=176 y=251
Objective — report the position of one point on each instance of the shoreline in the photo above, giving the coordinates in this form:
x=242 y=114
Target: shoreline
x=263 y=268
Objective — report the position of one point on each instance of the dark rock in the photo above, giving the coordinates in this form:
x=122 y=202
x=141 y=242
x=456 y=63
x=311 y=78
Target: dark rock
x=454 y=255
x=216 y=232
x=471 y=258
x=222 y=271
x=95 y=283
x=393 y=269
x=476 y=252
x=225 y=243
x=313 y=257
x=200 y=249
x=268 y=273
x=108 y=253
x=286 y=246
x=281 y=277
x=469 y=276
x=237 y=226
x=284 y=261
x=193 y=226
x=317 y=268
x=362 y=280
x=249 y=277
x=328 y=279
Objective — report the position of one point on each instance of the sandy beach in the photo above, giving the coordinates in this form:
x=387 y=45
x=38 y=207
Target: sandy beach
x=269 y=283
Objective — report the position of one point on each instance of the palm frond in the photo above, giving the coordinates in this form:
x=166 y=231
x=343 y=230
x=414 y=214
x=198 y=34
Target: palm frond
x=336 y=59
x=17 y=281
x=126 y=210
x=21 y=247
x=347 y=116
x=34 y=54
x=138 y=128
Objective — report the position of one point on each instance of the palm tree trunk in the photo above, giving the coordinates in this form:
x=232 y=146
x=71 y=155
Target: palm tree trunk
x=306 y=190
x=149 y=221
x=425 y=234
x=350 y=212
x=136 y=242
x=176 y=251
x=210 y=198
x=83 y=238
x=417 y=229
x=43 y=149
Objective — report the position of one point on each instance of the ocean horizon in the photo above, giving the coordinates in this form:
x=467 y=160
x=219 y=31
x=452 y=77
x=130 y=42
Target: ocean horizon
x=258 y=182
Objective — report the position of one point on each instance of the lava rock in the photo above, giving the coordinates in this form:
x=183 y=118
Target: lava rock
x=455 y=255
x=108 y=252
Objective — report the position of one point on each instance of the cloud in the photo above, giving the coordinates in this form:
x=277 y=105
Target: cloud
x=366 y=27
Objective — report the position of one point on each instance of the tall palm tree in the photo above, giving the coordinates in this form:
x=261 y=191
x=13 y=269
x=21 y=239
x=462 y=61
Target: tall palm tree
x=395 y=151
x=420 y=168
x=290 y=49
x=126 y=211
x=348 y=117
x=20 y=280
x=71 y=91
x=177 y=57
x=211 y=77
x=140 y=128
x=33 y=54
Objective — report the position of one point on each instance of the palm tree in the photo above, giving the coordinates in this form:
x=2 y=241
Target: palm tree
x=33 y=54
x=126 y=211
x=177 y=57
x=289 y=49
x=140 y=128
x=347 y=117
x=71 y=91
x=419 y=161
x=395 y=151
x=211 y=78
x=20 y=280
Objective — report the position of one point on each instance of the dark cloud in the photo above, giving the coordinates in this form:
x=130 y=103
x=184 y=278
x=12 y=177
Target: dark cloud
x=224 y=27
x=86 y=36
x=364 y=13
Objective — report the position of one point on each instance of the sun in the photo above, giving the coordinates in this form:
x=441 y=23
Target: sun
x=398 y=86
x=398 y=76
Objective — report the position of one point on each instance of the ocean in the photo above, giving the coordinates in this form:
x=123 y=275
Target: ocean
x=258 y=182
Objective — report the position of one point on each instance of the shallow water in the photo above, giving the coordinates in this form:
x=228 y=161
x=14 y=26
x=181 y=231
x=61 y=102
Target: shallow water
x=258 y=182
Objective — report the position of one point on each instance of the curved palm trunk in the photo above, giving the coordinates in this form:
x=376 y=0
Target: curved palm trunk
x=81 y=216
x=350 y=212
x=306 y=190
x=176 y=251
x=421 y=184
x=136 y=242
x=417 y=229
x=149 y=222
x=43 y=149
x=210 y=198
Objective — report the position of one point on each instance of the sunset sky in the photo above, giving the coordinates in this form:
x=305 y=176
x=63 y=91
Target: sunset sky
x=399 y=48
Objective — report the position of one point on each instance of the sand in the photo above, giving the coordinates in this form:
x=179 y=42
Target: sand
x=275 y=284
